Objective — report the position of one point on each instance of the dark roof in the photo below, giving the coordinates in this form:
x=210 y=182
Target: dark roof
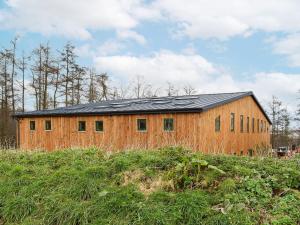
x=188 y=103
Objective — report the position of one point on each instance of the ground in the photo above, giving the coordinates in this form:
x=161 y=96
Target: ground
x=162 y=186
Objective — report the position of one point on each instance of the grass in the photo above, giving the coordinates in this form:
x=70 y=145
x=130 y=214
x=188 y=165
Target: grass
x=165 y=186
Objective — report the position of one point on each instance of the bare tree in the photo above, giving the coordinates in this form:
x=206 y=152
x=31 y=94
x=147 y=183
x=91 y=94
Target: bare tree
x=13 y=73
x=92 y=91
x=171 y=90
x=280 y=123
x=102 y=81
x=5 y=80
x=68 y=57
x=79 y=77
x=121 y=92
x=140 y=88
x=23 y=68
x=298 y=110
x=189 y=90
x=56 y=83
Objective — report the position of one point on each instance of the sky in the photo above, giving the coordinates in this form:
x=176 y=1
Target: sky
x=212 y=45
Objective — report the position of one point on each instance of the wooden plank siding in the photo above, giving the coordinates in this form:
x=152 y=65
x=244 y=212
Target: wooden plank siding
x=191 y=130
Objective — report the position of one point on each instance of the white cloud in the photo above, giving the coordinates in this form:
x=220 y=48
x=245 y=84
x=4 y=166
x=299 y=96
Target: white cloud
x=193 y=69
x=84 y=51
x=282 y=85
x=290 y=47
x=195 y=18
x=130 y=34
x=159 y=68
x=110 y=47
x=74 y=18
x=224 y=19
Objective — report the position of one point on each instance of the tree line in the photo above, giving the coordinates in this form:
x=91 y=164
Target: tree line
x=55 y=78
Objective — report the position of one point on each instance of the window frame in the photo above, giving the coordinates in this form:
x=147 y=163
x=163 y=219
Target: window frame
x=164 y=124
x=218 y=122
x=30 y=127
x=138 y=120
x=46 y=121
x=78 y=128
x=253 y=125
x=99 y=121
x=232 y=122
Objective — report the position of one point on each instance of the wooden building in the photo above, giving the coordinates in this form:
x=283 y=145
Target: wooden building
x=233 y=123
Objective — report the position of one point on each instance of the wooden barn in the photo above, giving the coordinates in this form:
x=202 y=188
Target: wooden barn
x=233 y=123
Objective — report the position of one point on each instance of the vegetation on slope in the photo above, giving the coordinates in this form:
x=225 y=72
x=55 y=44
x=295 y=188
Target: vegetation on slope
x=167 y=186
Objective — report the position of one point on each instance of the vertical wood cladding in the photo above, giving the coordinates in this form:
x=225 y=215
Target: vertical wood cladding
x=192 y=130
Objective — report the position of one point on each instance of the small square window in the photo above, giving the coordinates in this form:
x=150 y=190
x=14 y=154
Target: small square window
x=99 y=125
x=32 y=125
x=48 y=125
x=218 y=124
x=168 y=124
x=81 y=126
x=141 y=124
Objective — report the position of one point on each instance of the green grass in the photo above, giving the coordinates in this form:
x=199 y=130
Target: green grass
x=165 y=186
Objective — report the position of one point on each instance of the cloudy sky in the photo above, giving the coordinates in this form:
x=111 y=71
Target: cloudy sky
x=213 y=45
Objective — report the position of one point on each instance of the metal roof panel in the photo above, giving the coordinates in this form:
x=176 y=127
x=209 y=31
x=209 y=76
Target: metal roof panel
x=189 y=103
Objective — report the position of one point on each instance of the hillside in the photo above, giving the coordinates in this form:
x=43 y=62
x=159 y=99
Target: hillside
x=166 y=186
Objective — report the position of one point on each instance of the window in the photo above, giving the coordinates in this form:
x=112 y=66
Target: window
x=265 y=127
x=99 y=125
x=261 y=126
x=248 y=124
x=232 y=122
x=242 y=123
x=32 y=125
x=168 y=124
x=81 y=126
x=253 y=125
x=257 y=125
x=48 y=125
x=218 y=124
x=142 y=124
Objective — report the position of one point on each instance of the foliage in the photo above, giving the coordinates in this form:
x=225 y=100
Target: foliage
x=165 y=186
